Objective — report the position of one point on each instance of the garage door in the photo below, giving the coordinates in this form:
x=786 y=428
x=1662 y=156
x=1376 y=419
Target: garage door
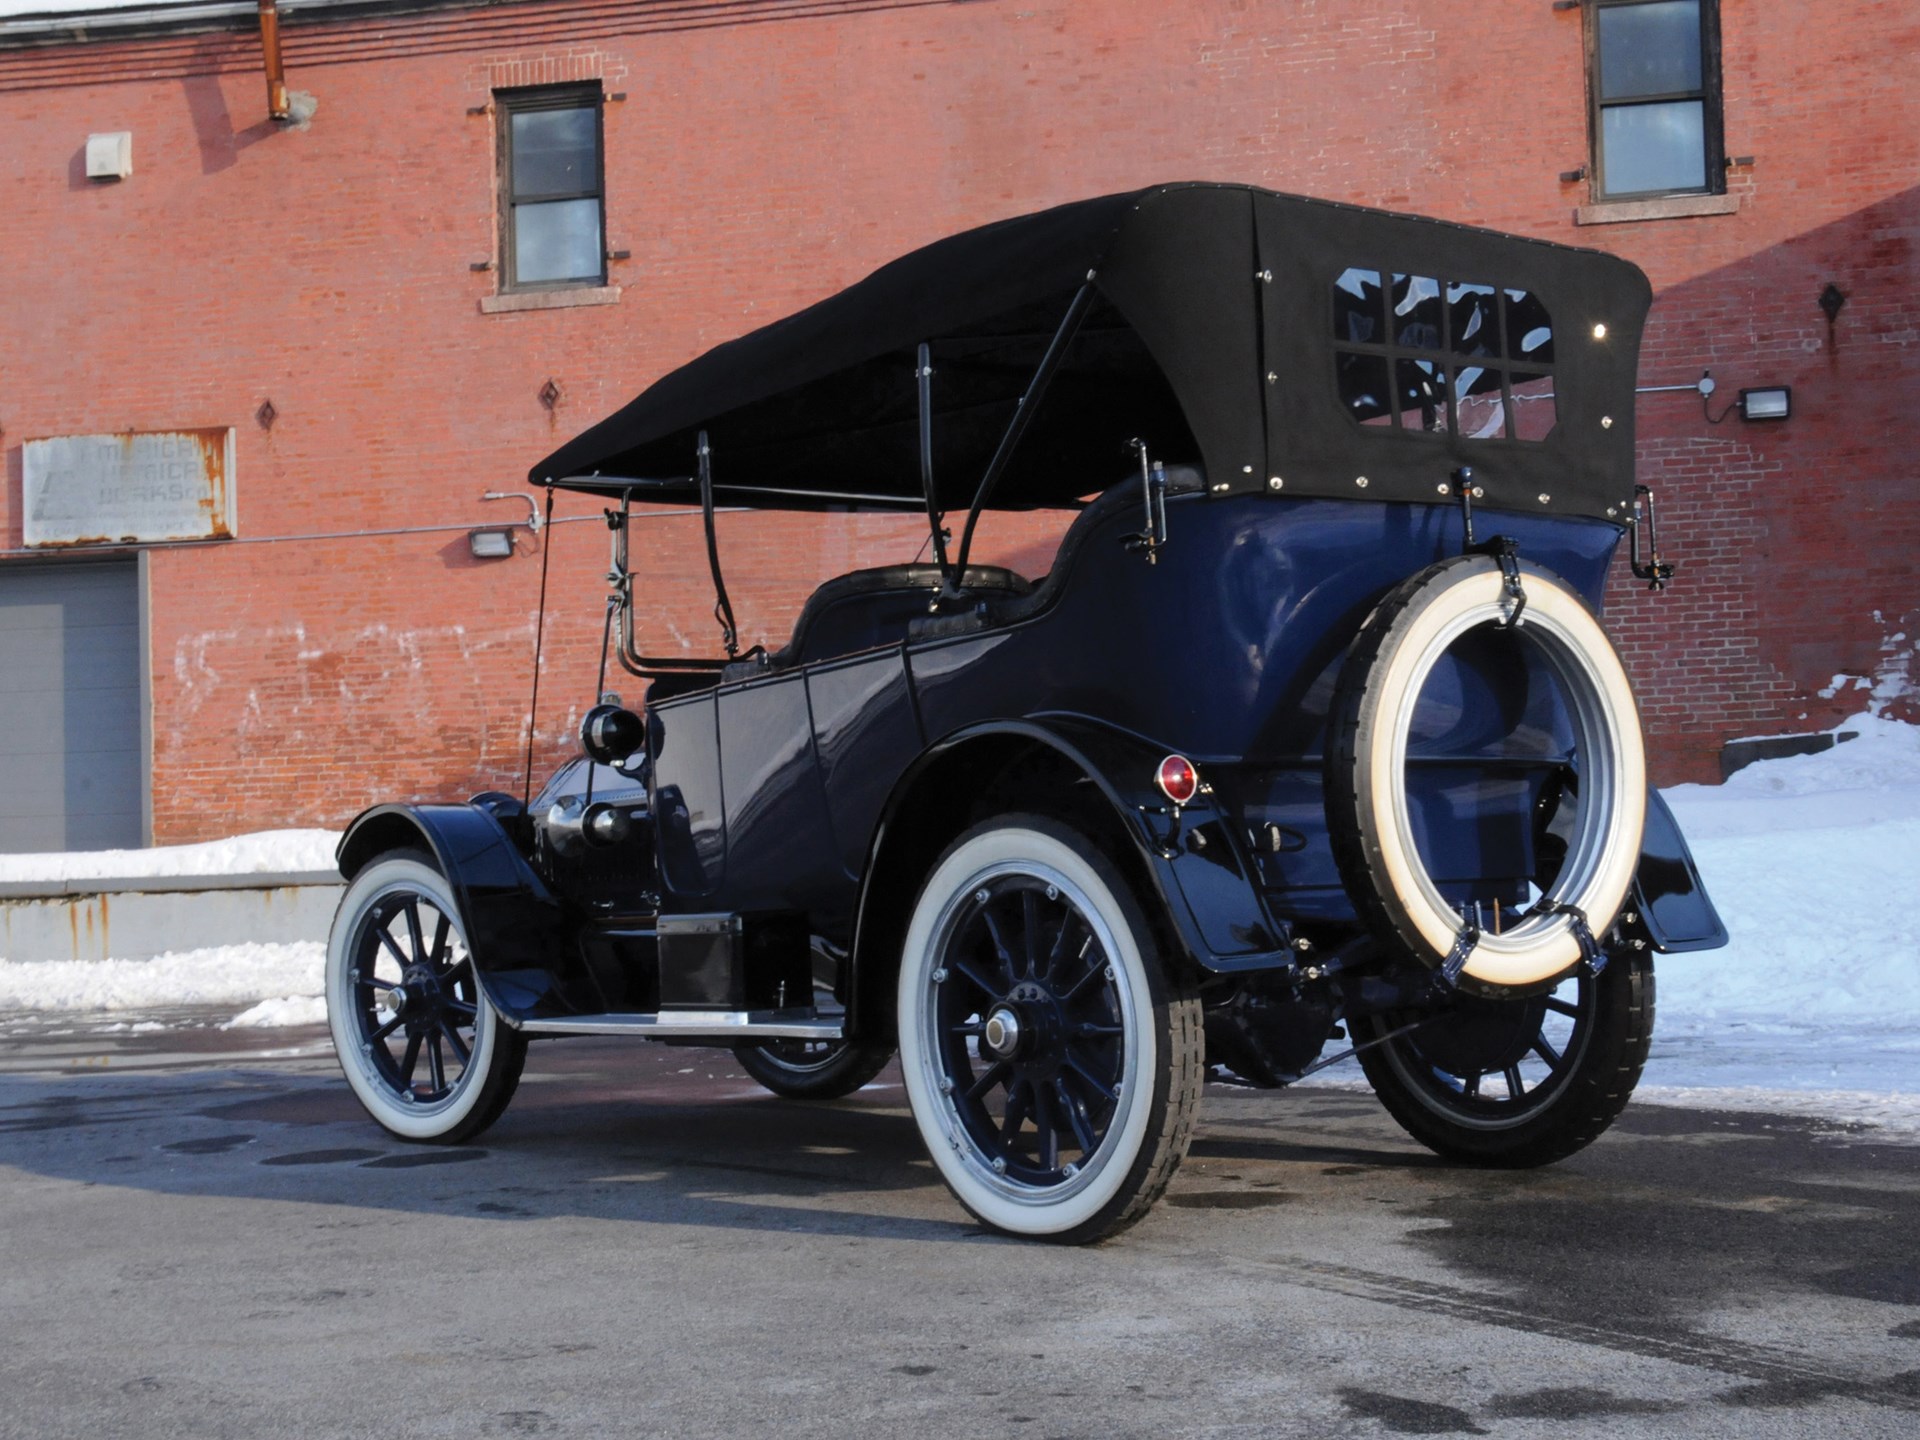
x=70 y=771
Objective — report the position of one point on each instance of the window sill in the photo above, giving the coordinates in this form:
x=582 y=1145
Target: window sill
x=1667 y=207
x=549 y=299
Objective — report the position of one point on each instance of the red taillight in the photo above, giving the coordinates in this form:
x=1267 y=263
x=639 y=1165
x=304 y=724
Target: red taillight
x=1177 y=779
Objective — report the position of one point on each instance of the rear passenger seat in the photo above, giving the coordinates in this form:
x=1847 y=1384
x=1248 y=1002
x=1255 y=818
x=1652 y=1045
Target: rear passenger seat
x=867 y=609
x=870 y=608
x=1122 y=500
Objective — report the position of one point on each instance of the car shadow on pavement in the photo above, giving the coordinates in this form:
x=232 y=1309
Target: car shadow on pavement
x=679 y=1137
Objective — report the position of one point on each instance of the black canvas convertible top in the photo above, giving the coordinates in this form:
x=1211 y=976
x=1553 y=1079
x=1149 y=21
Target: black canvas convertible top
x=1258 y=334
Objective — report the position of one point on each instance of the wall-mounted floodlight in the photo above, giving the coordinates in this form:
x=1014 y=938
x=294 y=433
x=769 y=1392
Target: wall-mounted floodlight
x=1772 y=402
x=490 y=544
x=110 y=156
x=1760 y=402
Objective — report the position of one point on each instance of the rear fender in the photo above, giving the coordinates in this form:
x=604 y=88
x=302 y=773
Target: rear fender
x=1195 y=871
x=1667 y=890
x=514 y=925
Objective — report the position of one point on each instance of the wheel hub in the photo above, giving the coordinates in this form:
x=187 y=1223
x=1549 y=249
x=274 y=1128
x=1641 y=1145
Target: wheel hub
x=417 y=997
x=1027 y=1032
x=1036 y=1037
x=1002 y=1033
x=1481 y=1036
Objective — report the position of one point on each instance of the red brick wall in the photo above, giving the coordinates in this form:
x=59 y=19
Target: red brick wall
x=760 y=163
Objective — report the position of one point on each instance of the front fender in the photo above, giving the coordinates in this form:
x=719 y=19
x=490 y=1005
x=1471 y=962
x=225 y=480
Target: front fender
x=515 y=927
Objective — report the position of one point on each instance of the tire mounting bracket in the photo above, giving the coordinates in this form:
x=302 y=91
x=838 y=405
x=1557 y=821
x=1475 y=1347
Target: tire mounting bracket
x=1592 y=957
x=1456 y=958
x=1506 y=551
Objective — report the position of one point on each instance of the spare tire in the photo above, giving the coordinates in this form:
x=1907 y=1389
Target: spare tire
x=1368 y=812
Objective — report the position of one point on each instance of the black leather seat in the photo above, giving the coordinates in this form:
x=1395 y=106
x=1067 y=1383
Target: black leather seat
x=1122 y=500
x=869 y=608
x=866 y=609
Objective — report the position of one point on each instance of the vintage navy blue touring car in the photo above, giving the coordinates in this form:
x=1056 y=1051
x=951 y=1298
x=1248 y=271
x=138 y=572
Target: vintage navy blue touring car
x=1310 y=734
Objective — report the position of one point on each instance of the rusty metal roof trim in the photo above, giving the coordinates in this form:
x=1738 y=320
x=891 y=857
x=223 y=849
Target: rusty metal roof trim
x=102 y=20
x=79 y=22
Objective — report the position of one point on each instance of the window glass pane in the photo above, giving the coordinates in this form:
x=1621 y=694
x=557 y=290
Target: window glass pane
x=1649 y=49
x=1416 y=312
x=1474 y=313
x=1533 y=416
x=1479 y=409
x=1423 y=394
x=555 y=152
x=1466 y=388
x=1653 y=147
x=1363 y=388
x=1529 y=328
x=1356 y=307
x=559 y=240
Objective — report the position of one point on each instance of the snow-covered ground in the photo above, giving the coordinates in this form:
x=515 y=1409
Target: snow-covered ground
x=277 y=984
x=1814 y=1008
x=263 y=852
x=1814 y=863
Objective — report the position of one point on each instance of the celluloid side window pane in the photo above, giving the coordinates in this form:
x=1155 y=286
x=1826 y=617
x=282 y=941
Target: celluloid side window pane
x=1479 y=409
x=1423 y=394
x=1356 y=307
x=1363 y=388
x=1533 y=413
x=555 y=152
x=559 y=240
x=1654 y=147
x=1474 y=313
x=1651 y=49
x=1416 y=312
x=1478 y=332
x=1529 y=328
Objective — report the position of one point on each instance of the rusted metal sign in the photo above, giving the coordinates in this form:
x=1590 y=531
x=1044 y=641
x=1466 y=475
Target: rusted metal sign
x=138 y=486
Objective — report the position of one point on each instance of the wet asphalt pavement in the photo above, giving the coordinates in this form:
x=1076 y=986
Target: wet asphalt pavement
x=200 y=1234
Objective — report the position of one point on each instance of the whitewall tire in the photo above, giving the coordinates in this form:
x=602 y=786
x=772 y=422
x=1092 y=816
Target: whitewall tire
x=1380 y=686
x=420 y=1046
x=1053 y=1063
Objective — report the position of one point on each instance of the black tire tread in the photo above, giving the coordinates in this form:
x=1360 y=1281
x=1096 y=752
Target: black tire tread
x=1593 y=1099
x=1185 y=1034
x=511 y=1047
x=1171 y=1129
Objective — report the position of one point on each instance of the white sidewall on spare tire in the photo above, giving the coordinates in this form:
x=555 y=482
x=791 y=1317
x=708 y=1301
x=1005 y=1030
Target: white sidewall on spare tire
x=1003 y=1203
x=1605 y=848
x=410 y=1119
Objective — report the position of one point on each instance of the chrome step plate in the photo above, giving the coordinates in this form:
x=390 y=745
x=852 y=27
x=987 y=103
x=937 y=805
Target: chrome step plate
x=729 y=1025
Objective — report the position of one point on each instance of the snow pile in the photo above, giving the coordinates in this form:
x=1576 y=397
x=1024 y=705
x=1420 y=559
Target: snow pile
x=1814 y=1006
x=288 y=1010
x=1814 y=864
x=226 y=975
x=263 y=852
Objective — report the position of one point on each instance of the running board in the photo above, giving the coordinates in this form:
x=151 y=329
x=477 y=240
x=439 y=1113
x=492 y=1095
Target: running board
x=696 y=1025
